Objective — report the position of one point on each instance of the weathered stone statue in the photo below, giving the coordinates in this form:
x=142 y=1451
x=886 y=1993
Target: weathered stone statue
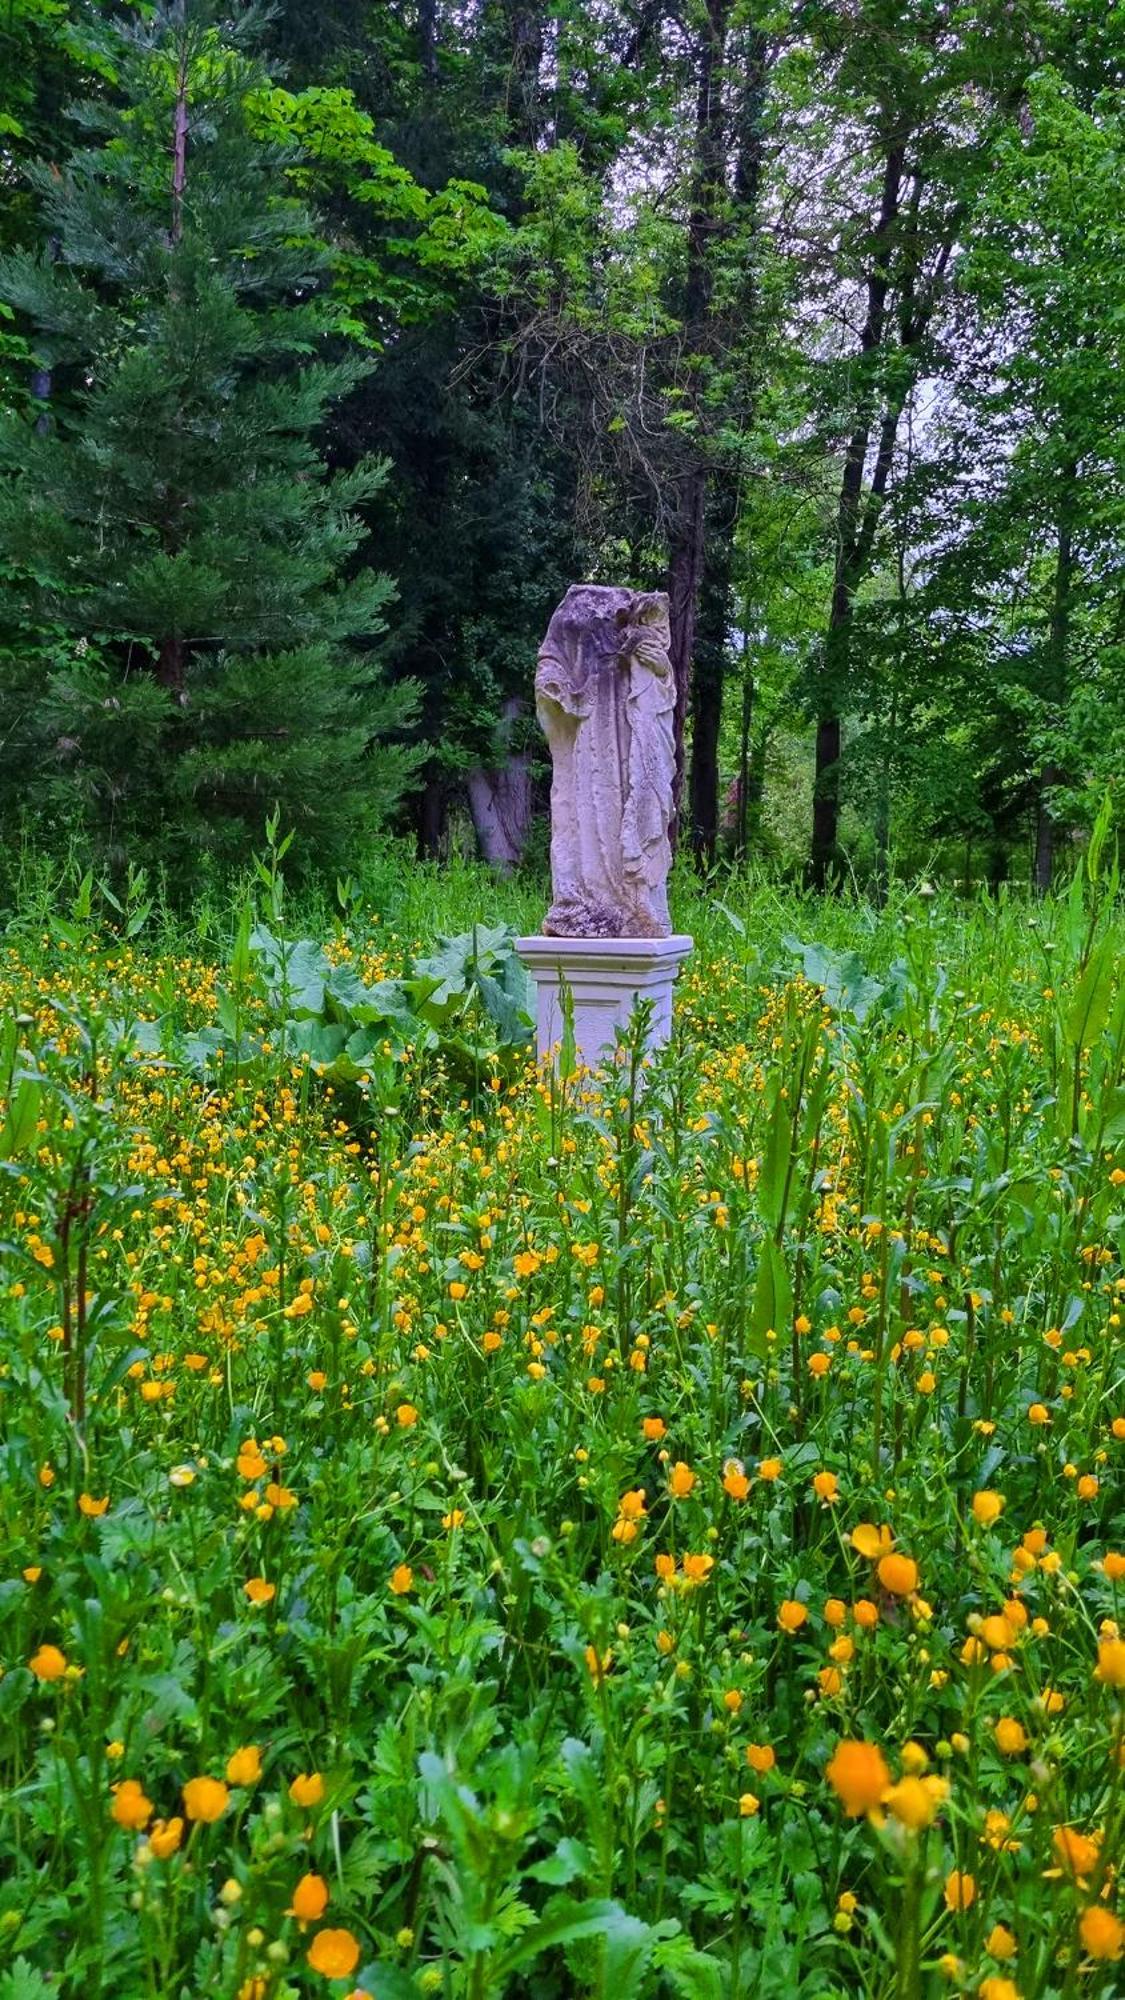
x=605 y=697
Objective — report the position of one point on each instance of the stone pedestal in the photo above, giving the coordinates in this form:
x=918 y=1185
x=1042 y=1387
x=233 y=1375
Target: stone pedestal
x=606 y=977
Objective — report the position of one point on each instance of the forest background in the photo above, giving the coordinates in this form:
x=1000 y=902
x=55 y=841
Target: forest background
x=336 y=340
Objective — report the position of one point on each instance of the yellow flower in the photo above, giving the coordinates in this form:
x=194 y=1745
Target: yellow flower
x=333 y=1953
x=858 y=1775
x=205 y=1799
x=165 y=1836
x=93 y=1509
x=310 y=1899
x=244 y=1767
x=307 y=1789
x=987 y=1507
x=130 y=1807
x=597 y=1664
x=1111 y=1663
x=761 y=1757
x=915 y=1801
x=869 y=1541
x=826 y=1486
x=748 y=1805
x=791 y=1614
x=259 y=1591
x=406 y=1416
x=898 y=1574
x=402 y=1579
x=995 y=1988
x=1076 y=1852
x=1011 y=1737
x=960 y=1890
x=1102 y=1934
x=769 y=1469
x=1000 y=1942
x=681 y=1479
x=48 y=1664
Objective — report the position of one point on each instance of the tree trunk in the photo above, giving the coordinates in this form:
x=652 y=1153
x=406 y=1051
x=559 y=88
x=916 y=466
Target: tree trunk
x=823 y=853
x=525 y=42
x=709 y=667
x=706 y=721
x=430 y=820
x=685 y=571
x=500 y=799
x=1058 y=647
x=427 y=41
x=686 y=542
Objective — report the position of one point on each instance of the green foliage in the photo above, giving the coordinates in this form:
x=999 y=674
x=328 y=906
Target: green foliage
x=351 y=1452
x=175 y=522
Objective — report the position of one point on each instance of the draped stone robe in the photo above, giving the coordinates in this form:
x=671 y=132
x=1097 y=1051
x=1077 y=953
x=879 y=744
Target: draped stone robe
x=605 y=696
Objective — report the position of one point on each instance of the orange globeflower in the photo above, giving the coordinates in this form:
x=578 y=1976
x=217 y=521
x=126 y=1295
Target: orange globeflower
x=307 y=1789
x=259 y=1591
x=1011 y=1736
x=244 y=1767
x=769 y=1469
x=406 y=1416
x=1111 y=1663
x=915 y=1802
x=960 y=1890
x=761 y=1757
x=826 y=1486
x=792 y=1614
x=987 y=1507
x=165 y=1836
x=597 y=1664
x=681 y=1479
x=869 y=1541
x=654 y=1428
x=865 y=1613
x=996 y=1988
x=1001 y=1943
x=310 y=1899
x=735 y=1482
x=1075 y=1852
x=205 y=1799
x=93 y=1509
x=333 y=1953
x=898 y=1574
x=858 y=1774
x=835 y=1612
x=1102 y=1934
x=402 y=1579
x=130 y=1807
x=48 y=1664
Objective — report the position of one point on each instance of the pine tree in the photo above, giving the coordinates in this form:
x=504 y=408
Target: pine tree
x=172 y=522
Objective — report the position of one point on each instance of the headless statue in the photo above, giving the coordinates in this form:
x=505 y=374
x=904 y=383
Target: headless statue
x=605 y=696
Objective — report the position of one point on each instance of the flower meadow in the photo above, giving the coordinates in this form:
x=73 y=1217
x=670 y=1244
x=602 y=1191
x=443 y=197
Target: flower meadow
x=654 y=1535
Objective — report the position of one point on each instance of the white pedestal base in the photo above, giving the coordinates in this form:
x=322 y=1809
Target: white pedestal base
x=606 y=977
